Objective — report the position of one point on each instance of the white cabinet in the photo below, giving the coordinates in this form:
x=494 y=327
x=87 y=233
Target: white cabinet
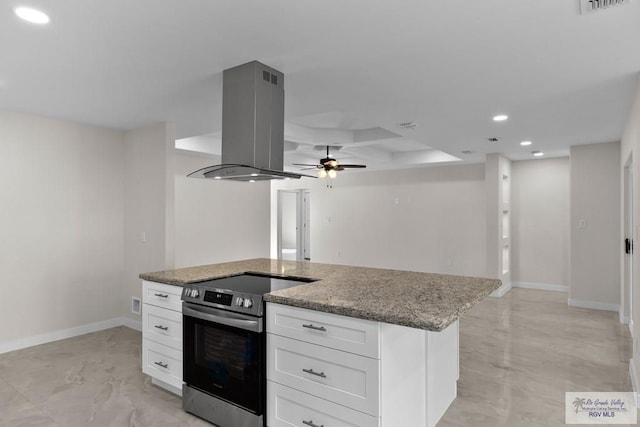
x=162 y=334
x=331 y=370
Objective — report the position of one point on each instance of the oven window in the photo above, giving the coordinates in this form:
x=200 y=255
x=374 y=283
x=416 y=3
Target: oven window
x=226 y=362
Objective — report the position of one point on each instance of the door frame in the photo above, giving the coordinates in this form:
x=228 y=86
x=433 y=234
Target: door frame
x=302 y=225
x=626 y=306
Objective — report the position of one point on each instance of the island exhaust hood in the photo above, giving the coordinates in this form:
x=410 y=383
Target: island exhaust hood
x=252 y=126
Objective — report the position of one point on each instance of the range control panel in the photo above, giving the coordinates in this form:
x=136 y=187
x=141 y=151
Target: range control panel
x=223 y=298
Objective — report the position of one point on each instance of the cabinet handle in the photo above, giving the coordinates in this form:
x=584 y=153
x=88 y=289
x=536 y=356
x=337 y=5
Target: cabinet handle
x=162 y=365
x=312 y=372
x=164 y=328
x=162 y=295
x=311 y=424
x=315 y=328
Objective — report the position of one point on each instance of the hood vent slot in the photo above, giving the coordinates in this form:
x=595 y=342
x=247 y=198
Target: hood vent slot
x=590 y=6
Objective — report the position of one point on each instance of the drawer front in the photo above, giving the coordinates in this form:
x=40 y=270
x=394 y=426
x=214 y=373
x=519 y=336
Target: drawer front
x=343 y=378
x=162 y=326
x=162 y=362
x=356 y=336
x=161 y=295
x=287 y=407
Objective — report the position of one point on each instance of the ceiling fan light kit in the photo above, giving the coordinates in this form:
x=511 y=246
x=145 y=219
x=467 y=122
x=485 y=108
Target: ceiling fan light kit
x=329 y=166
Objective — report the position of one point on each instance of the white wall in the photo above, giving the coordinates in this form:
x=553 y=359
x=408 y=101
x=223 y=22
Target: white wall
x=61 y=219
x=427 y=219
x=218 y=221
x=148 y=206
x=540 y=225
x=595 y=249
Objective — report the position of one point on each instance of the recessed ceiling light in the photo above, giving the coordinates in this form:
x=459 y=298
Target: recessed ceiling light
x=252 y=180
x=32 y=15
x=500 y=118
x=525 y=143
x=217 y=177
x=537 y=153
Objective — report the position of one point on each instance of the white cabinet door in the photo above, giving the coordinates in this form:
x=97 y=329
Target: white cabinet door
x=162 y=326
x=343 y=378
x=356 y=336
x=162 y=362
x=161 y=295
x=291 y=408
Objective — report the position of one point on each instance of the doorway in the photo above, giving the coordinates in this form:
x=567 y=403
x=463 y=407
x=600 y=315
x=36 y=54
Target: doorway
x=294 y=225
x=626 y=314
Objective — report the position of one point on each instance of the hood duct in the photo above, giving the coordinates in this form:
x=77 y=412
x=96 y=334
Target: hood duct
x=252 y=126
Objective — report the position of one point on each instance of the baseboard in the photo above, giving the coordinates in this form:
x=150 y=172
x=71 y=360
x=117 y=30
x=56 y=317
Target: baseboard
x=634 y=379
x=6 y=347
x=594 y=305
x=541 y=286
x=624 y=320
x=503 y=289
x=168 y=387
x=132 y=324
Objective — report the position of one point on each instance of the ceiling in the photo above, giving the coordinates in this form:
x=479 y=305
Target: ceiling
x=354 y=71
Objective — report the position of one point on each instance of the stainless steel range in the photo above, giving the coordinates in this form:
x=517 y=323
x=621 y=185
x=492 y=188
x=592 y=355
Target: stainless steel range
x=224 y=348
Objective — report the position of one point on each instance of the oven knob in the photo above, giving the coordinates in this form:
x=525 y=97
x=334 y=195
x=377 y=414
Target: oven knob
x=239 y=301
x=248 y=303
x=194 y=293
x=187 y=292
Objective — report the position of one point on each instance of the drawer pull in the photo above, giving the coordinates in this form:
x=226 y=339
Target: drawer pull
x=162 y=295
x=164 y=328
x=315 y=328
x=312 y=372
x=311 y=424
x=162 y=365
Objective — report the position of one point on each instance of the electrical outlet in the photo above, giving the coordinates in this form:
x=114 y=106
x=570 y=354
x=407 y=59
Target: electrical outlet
x=135 y=305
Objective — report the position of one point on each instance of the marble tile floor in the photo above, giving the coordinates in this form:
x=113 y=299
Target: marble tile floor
x=90 y=380
x=518 y=355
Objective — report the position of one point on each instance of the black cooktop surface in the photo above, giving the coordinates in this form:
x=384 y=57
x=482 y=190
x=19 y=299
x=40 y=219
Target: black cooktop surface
x=256 y=284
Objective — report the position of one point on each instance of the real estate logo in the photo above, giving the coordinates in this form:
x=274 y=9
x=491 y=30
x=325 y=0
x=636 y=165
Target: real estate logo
x=600 y=408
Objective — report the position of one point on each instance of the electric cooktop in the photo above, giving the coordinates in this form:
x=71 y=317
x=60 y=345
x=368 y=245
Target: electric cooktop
x=242 y=293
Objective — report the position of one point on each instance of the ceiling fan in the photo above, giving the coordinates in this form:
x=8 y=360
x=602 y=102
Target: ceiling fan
x=329 y=166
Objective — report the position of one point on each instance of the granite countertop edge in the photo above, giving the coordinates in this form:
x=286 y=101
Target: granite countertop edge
x=401 y=320
x=447 y=296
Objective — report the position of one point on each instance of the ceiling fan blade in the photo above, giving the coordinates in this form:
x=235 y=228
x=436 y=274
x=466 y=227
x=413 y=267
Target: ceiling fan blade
x=352 y=166
x=305 y=164
x=306 y=169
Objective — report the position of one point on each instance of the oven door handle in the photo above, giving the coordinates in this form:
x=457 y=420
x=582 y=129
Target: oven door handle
x=222 y=317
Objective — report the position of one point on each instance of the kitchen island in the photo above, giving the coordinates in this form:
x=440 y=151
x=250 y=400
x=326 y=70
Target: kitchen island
x=418 y=300
x=357 y=346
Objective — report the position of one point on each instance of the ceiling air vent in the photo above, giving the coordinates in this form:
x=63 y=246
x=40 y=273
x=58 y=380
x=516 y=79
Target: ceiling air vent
x=410 y=125
x=589 y=6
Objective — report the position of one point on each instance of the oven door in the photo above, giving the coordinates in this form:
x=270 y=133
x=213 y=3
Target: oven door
x=224 y=355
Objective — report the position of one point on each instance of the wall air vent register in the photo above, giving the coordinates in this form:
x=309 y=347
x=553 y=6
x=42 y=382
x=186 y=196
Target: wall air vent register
x=590 y=6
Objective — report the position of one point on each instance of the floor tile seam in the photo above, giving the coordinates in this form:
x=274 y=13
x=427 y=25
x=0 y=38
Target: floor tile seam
x=31 y=402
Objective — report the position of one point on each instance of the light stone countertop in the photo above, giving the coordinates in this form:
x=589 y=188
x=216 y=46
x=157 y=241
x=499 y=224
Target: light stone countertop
x=419 y=300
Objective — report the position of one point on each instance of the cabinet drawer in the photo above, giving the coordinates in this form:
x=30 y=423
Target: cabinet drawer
x=162 y=362
x=161 y=295
x=356 y=336
x=162 y=325
x=343 y=378
x=290 y=408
